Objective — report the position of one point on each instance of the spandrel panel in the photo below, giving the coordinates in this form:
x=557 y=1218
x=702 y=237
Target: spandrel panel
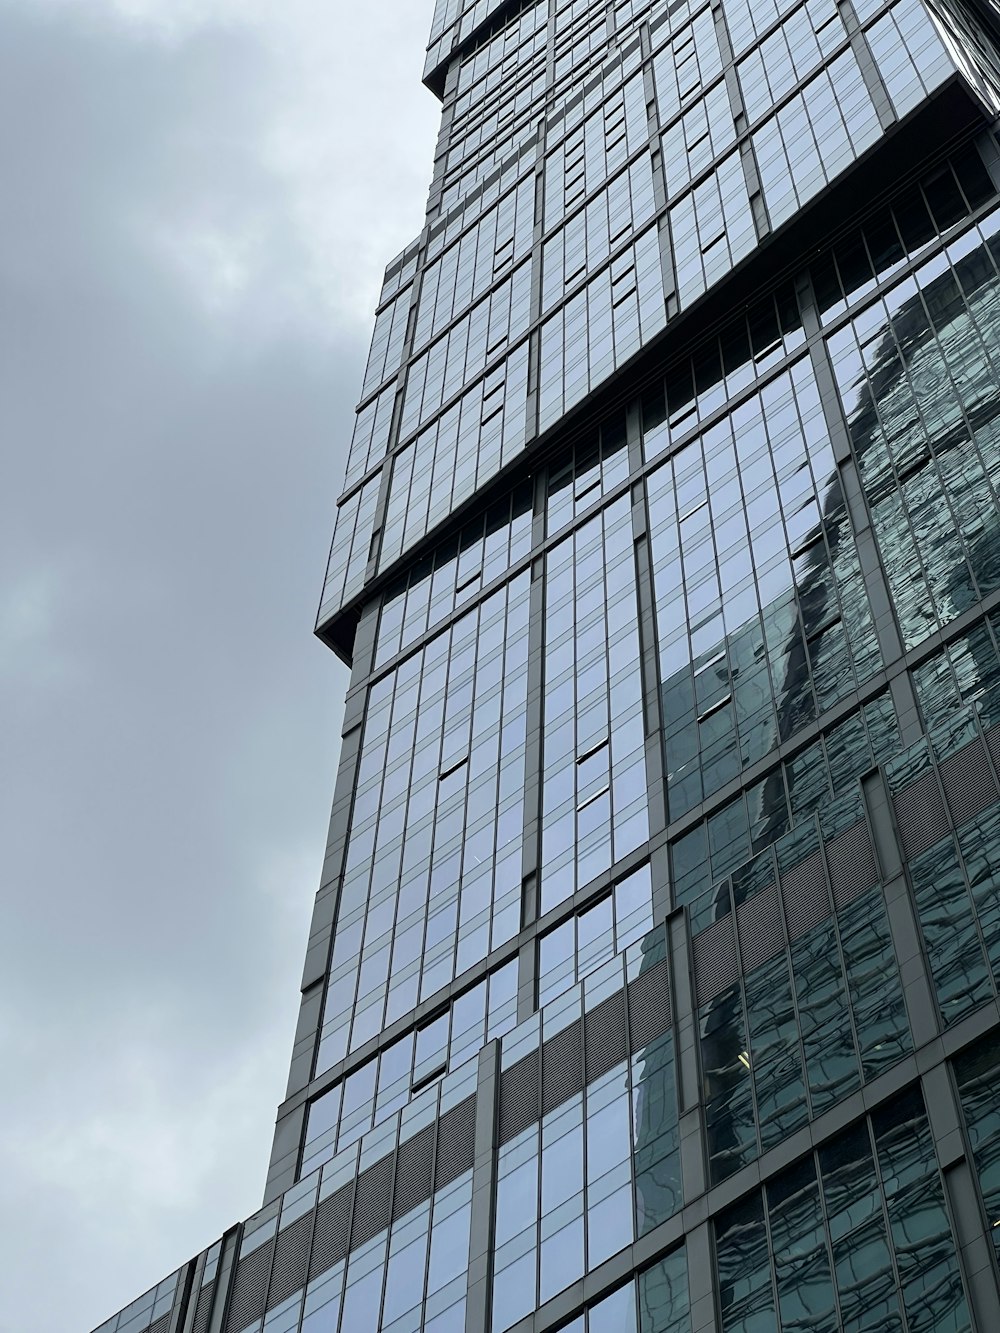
x=762 y=615
x=594 y=808
x=918 y=376
x=809 y=782
x=376 y=1090
x=598 y=1164
x=432 y=879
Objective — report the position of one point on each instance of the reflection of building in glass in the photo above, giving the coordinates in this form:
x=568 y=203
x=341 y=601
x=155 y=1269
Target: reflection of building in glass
x=662 y=881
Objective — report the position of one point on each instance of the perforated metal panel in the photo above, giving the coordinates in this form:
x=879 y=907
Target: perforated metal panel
x=414 y=1171
x=456 y=1150
x=920 y=815
x=648 y=1006
x=203 y=1310
x=714 y=960
x=562 y=1067
x=605 y=1036
x=373 y=1201
x=519 y=1097
x=250 y=1288
x=758 y=922
x=851 y=862
x=969 y=785
x=333 y=1223
x=993 y=745
x=291 y=1260
x=805 y=896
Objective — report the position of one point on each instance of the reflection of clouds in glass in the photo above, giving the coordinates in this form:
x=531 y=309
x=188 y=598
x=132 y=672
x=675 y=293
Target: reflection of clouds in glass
x=925 y=432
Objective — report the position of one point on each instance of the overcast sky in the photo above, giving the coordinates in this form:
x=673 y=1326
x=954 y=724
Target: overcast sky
x=198 y=200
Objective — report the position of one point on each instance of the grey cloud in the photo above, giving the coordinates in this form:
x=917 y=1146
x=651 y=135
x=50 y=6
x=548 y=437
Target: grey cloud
x=172 y=454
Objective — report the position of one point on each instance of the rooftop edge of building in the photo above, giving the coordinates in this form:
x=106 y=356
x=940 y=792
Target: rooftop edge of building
x=952 y=114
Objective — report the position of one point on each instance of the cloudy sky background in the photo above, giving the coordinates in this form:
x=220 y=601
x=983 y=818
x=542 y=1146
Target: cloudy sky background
x=199 y=198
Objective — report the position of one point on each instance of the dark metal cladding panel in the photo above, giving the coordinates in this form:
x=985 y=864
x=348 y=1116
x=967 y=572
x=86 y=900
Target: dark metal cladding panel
x=203 y=1309
x=851 y=859
x=291 y=1260
x=562 y=1066
x=920 y=815
x=758 y=922
x=715 y=967
x=806 y=896
x=648 y=1006
x=250 y=1288
x=993 y=745
x=969 y=785
x=606 y=1036
x=414 y=1172
x=456 y=1150
x=373 y=1200
x=520 y=1102
x=333 y=1224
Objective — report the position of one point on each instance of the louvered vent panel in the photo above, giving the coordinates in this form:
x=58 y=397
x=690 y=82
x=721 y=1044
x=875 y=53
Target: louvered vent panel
x=993 y=744
x=562 y=1067
x=605 y=1036
x=967 y=778
x=805 y=895
x=161 y=1325
x=373 y=1200
x=648 y=1006
x=920 y=815
x=291 y=1260
x=758 y=921
x=519 y=1097
x=333 y=1222
x=714 y=959
x=250 y=1288
x=851 y=860
x=456 y=1149
x=414 y=1172
x=203 y=1310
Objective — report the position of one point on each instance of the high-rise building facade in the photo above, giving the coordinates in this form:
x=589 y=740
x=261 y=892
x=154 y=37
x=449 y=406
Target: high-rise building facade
x=653 y=978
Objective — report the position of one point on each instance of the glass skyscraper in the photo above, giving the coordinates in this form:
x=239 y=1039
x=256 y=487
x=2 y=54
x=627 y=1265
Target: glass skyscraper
x=653 y=978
